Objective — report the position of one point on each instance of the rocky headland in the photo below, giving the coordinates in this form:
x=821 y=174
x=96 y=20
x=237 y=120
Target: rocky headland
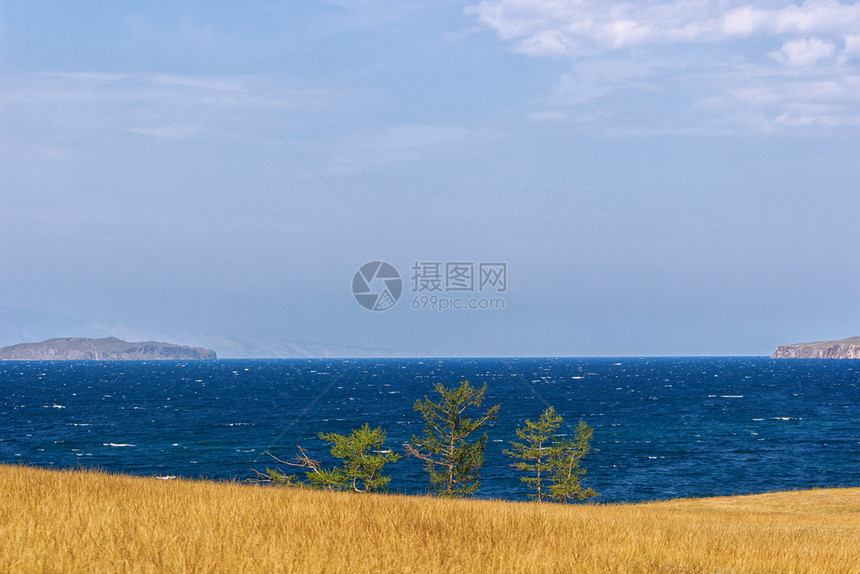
x=105 y=349
x=844 y=349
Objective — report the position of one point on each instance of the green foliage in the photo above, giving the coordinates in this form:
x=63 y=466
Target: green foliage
x=566 y=472
x=363 y=455
x=534 y=452
x=363 y=461
x=451 y=460
x=552 y=459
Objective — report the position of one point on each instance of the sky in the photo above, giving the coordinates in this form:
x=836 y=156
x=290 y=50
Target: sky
x=644 y=178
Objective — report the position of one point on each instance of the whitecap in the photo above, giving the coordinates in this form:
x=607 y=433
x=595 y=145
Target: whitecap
x=731 y=396
x=117 y=444
x=168 y=477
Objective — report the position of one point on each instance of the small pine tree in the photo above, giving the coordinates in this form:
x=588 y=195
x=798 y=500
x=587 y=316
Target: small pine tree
x=364 y=457
x=551 y=459
x=452 y=462
x=534 y=452
x=363 y=460
x=566 y=472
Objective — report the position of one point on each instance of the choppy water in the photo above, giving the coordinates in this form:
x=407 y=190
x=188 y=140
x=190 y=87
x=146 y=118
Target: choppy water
x=663 y=427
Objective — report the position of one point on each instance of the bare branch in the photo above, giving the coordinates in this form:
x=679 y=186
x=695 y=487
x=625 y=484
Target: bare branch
x=301 y=461
x=412 y=451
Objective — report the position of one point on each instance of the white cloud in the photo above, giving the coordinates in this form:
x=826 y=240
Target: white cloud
x=551 y=42
x=743 y=21
x=805 y=52
x=171 y=131
x=218 y=84
x=87 y=76
x=852 y=46
x=764 y=63
x=538 y=27
x=769 y=101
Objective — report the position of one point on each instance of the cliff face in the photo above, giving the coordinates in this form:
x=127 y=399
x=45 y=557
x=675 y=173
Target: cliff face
x=844 y=349
x=107 y=349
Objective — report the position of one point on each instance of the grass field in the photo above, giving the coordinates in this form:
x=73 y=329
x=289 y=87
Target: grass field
x=72 y=521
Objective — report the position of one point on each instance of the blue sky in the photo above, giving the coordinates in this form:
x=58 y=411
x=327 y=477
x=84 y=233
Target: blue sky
x=660 y=178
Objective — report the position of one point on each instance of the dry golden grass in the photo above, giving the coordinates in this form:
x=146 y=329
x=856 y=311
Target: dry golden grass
x=65 y=521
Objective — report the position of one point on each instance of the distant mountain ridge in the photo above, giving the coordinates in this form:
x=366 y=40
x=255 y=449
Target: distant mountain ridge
x=262 y=348
x=842 y=349
x=105 y=349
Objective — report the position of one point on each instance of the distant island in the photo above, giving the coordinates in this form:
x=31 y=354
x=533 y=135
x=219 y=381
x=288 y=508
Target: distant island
x=105 y=349
x=844 y=349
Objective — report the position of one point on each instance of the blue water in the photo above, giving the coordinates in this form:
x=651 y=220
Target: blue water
x=663 y=427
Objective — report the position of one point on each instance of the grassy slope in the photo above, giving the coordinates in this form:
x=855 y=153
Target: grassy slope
x=94 y=522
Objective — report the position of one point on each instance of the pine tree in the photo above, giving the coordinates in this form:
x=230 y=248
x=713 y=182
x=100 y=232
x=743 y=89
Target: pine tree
x=452 y=462
x=550 y=459
x=363 y=455
x=363 y=459
x=566 y=472
x=533 y=453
